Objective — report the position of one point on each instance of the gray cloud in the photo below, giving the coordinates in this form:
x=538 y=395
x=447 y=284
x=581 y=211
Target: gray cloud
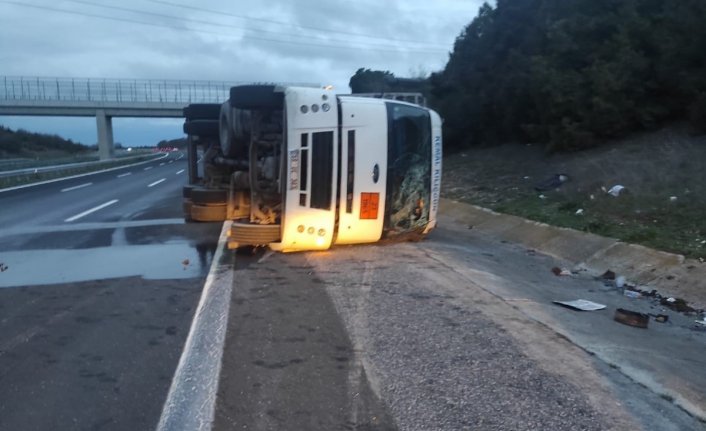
x=42 y=42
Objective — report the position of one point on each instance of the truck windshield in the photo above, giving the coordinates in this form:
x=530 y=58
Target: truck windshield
x=409 y=168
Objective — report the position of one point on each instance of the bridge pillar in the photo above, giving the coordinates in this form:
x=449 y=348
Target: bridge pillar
x=104 y=124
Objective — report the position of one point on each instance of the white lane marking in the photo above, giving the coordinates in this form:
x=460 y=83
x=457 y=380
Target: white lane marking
x=148 y=168
x=191 y=402
x=92 y=210
x=178 y=172
x=161 y=164
x=157 y=182
x=124 y=175
x=68 y=189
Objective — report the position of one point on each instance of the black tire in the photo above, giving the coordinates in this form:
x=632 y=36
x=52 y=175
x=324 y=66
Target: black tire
x=225 y=131
x=208 y=212
x=186 y=207
x=255 y=97
x=202 y=128
x=202 y=196
x=186 y=190
x=202 y=111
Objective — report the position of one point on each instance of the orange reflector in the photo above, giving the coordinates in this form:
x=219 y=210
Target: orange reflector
x=369 y=203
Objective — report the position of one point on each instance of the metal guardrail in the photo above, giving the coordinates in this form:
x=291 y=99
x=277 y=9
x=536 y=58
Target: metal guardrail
x=43 y=89
x=19 y=88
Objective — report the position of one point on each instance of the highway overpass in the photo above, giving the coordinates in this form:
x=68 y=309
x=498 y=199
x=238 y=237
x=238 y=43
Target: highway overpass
x=105 y=99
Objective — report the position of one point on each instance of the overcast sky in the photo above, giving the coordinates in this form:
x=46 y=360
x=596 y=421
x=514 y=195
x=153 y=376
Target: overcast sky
x=321 y=42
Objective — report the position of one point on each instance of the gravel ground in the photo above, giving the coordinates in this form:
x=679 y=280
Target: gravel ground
x=434 y=357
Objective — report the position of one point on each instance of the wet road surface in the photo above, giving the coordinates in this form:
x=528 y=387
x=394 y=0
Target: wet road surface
x=422 y=336
x=97 y=300
x=289 y=363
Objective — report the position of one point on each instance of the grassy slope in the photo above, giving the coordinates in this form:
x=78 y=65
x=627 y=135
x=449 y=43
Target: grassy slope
x=652 y=167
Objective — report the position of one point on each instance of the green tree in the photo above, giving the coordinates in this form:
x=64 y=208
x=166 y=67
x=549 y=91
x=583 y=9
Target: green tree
x=370 y=81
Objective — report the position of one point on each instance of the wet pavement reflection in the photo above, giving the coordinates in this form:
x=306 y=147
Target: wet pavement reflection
x=154 y=252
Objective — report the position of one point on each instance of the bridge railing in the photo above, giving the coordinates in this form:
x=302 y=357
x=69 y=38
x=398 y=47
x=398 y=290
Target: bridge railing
x=113 y=90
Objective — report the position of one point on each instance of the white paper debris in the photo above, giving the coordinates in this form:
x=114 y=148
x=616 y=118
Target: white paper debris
x=581 y=305
x=615 y=190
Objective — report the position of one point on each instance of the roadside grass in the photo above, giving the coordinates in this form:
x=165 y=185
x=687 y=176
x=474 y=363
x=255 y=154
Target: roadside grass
x=22 y=179
x=663 y=205
x=679 y=228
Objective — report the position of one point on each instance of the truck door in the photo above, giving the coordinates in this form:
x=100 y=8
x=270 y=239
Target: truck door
x=361 y=208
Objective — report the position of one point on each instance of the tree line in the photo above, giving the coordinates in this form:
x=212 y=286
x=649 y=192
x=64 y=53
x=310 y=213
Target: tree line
x=572 y=73
x=21 y=143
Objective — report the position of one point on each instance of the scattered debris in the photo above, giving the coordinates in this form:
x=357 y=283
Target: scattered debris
x=185 y=262
x=581 y=305
x=560 y=272
x=542 y=197
x=608 y=275
x=701 y=322
x=592 y=197
x=661 y=318
x=616 y=190
x=676 y=304
x=632 y=293
x=552 y=183
x=631 y=318
x=3 y=267
x=470 y=226
x=620 y=282
x=672 y=198
x=579 y=211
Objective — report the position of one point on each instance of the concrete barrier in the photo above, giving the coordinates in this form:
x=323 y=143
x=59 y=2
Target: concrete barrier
x=670 y=274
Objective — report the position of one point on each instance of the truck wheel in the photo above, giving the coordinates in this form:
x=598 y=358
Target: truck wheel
x=202 y=128
x=225 y=131
x=255 y=97
x=208 y=212
x=202 y=196
x=202 y=111
x=186 y=207
x=186 y=190
x=254 y=234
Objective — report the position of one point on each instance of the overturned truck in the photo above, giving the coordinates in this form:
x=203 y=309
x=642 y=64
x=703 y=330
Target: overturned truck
x=300 y=168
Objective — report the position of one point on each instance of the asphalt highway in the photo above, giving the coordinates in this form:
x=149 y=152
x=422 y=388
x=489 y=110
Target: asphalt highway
x=100 y=281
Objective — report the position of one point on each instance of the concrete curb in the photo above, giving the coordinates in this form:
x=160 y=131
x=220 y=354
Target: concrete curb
x=670 y=274
x=191 y=401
